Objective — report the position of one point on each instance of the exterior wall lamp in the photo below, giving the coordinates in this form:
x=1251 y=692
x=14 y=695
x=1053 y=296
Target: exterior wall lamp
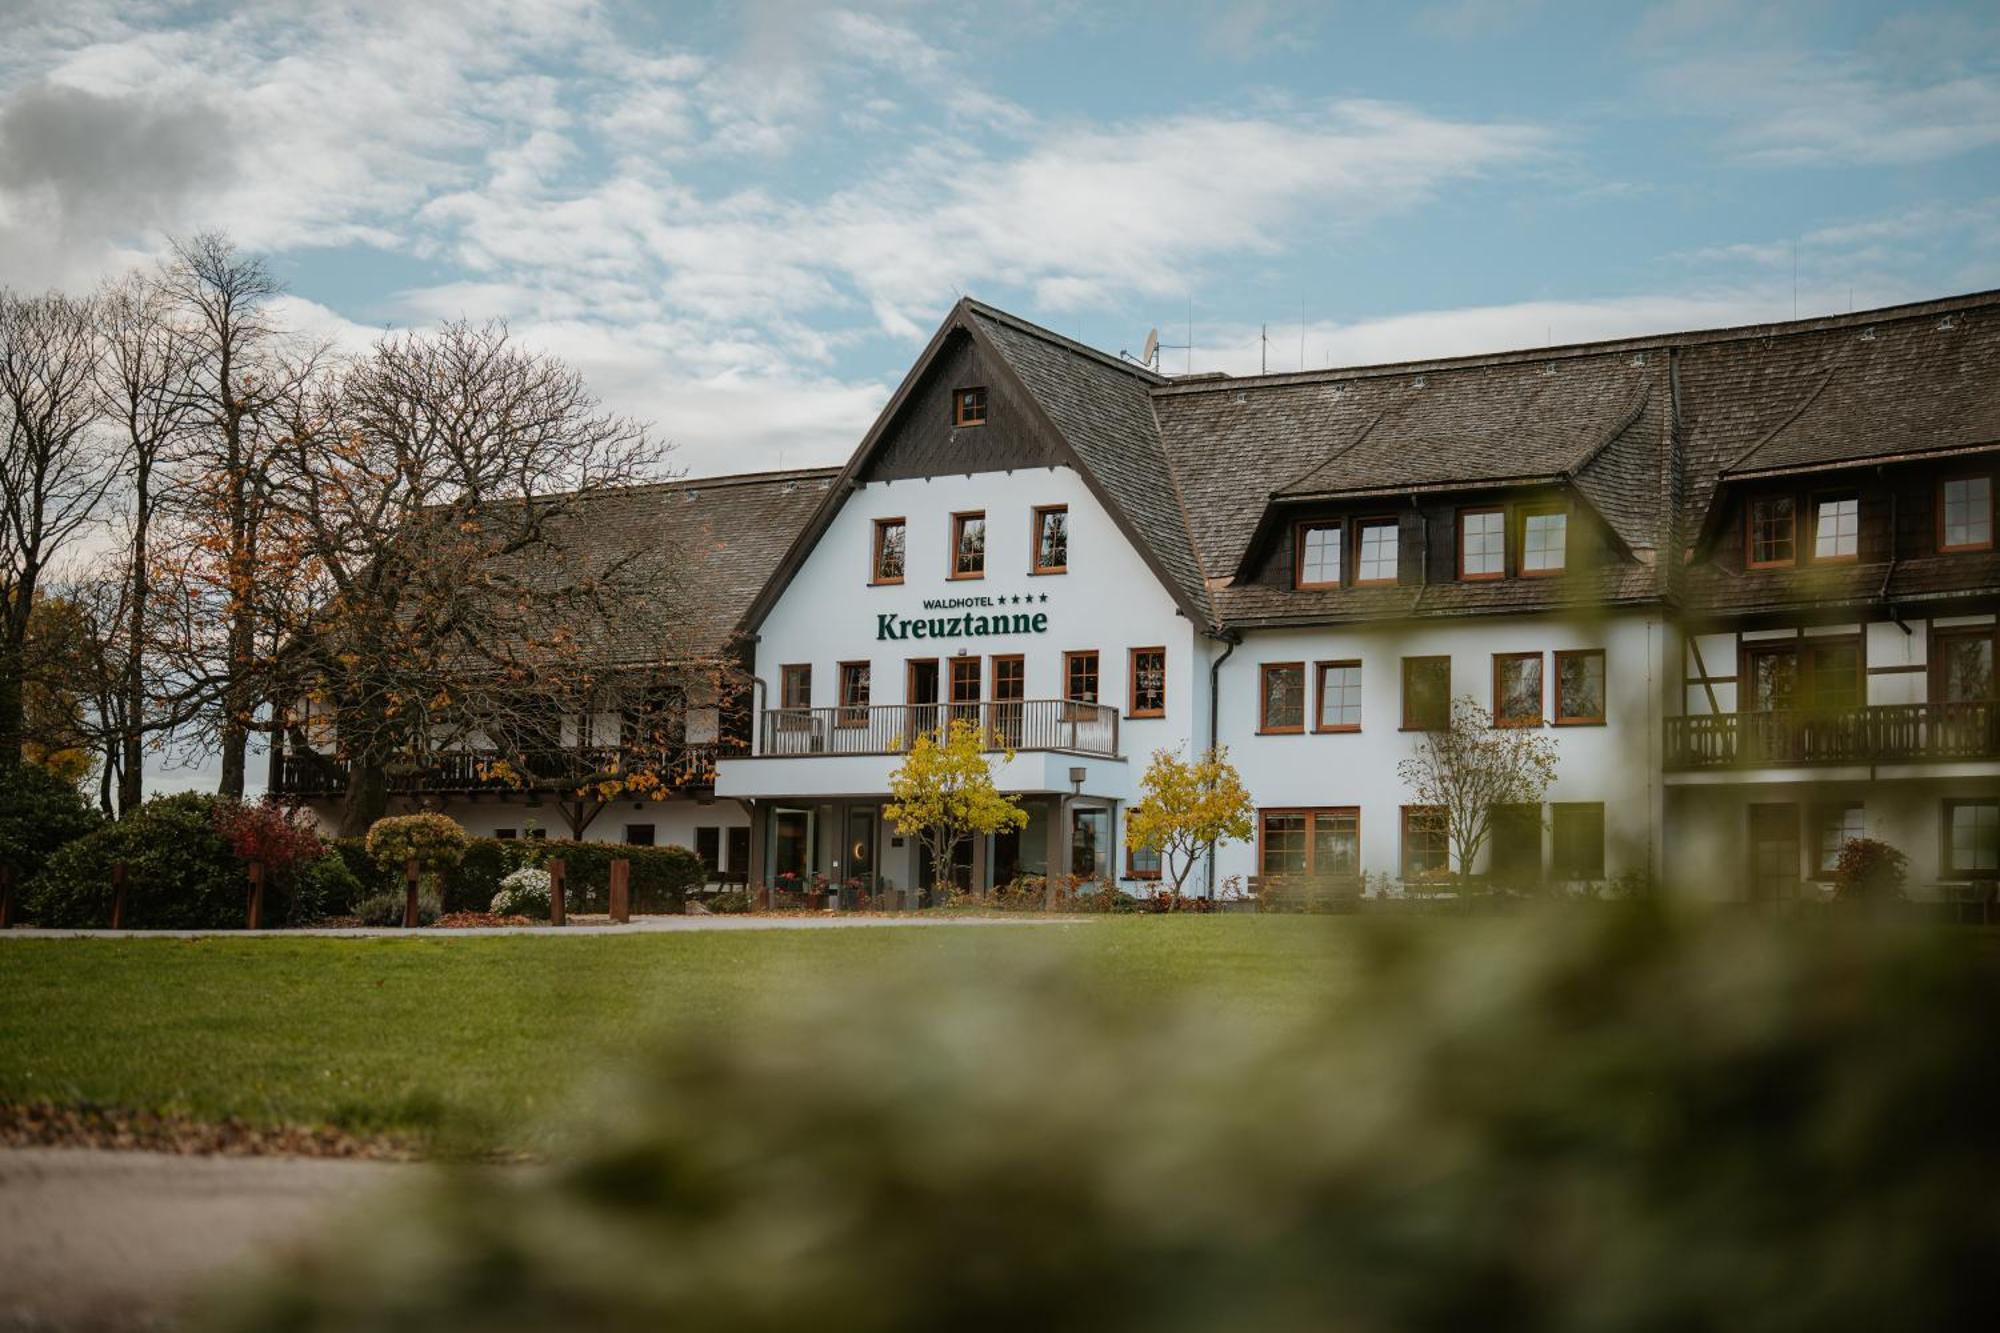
x=1076 y=777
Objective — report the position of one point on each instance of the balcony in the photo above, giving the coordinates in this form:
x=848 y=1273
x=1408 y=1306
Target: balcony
x=460 y=772
x=1017 y=724
x=1884 y=734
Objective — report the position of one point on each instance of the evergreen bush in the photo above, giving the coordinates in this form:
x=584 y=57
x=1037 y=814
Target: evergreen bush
x=39 y=813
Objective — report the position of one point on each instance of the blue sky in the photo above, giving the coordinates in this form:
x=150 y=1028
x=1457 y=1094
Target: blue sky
x=742 y=221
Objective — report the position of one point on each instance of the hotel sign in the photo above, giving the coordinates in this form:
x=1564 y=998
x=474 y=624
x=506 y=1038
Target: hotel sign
x=966 y=617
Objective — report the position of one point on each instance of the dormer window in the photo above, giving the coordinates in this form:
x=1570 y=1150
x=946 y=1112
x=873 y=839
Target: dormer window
x=968 y=407
x=1544 y=542
x=1375 y=551
x=1965 y=514
x=1837 y=528
x=1318 y=556
x=1773 y=531
x=1482 y=544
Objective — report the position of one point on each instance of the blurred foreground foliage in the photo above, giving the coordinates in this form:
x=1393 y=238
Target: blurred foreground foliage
x=1606 y=1119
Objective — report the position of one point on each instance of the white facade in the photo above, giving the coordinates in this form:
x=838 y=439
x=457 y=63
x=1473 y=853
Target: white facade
x=1110 y=602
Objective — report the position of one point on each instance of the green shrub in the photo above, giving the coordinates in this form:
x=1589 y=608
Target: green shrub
x=373 y=877
x=470 y=885
x=729 y=902
x=524 y=892
x=39 y=812
x=327 y=887
x=1556 y=1121
x=181 y=873
x=386 y=909
x=661 y=876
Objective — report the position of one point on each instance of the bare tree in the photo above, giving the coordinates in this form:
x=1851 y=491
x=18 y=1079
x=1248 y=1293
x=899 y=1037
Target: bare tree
x=441 y=506
x=146 y=380
x=54 y=473
x=220 y=300
x=1468 y=769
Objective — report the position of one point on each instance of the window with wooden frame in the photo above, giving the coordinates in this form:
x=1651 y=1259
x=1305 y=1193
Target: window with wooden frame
x=1839 y=824
x=1771 y=532
x=1147 y=678
x=968 y=545
x=1426 y=693
x=795 y=685
x=1281 y=698
x=962 y=685
x=1962 y=664
x=1971 y=839
x=1576 y=840
x=1050 y=540
x=1517 y=690
x=968 y=406
x=1009 y=688
x=1482 y=543
x=1514 y=843
x=1080 y=676
x=1142 y=864
x=853 y=694
x=1836 y=528
x=1580 y=687
x=1376 y=551
x=1339 y=696
x=1426 y=842
x=1965 y=514
x=1544 y=542
x=1316 y=555
x=1833 y=677
x=1314 y=843
x=886 y=562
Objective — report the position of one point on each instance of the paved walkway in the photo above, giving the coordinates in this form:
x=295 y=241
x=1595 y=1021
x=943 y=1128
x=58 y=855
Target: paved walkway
x=120 y=1240
x=639 y=925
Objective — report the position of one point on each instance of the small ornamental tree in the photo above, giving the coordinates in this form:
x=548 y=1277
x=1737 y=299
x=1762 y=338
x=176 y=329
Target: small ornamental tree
x=281 y=840
x=435 y=842
x=1468 y=768
x=1189 y=808
x=1869 y=871
x=943 y=794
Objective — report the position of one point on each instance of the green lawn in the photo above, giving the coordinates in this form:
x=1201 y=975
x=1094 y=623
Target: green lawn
x=493 y=1035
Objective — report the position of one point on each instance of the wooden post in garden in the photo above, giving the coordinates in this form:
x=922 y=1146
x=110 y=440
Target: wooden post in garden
x=254 y=909
x=410 y=872
x=6 y=897
x=558 y=909
x=118 y=895
x=621 y=890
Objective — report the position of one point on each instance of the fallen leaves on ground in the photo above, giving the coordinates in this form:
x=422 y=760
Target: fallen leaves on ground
x=46 y=1125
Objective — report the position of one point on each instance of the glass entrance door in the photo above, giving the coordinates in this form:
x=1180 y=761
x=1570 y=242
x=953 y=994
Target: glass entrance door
x=1774 y=853
x=859 y=872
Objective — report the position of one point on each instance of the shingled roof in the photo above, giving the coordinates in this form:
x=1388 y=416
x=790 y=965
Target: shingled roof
x=1197 y=471
x=727 y=533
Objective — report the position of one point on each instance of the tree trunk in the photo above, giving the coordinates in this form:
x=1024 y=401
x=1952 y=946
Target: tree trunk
x=367 y=798
x=132 y=761
x=13 y=706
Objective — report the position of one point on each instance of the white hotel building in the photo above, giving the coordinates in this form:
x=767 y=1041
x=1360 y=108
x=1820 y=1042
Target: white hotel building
x=1746 y=579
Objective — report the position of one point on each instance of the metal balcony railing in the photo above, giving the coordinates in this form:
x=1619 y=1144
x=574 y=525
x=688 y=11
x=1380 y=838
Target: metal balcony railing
x=1015 y=724
x=1884 y=733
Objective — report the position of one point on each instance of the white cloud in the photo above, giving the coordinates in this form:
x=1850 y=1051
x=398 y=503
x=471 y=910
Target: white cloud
x=1472 y=330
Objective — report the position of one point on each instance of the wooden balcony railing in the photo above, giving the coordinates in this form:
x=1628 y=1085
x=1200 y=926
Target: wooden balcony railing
x=295 y=774
x=1018 y=724
x=1882 y=734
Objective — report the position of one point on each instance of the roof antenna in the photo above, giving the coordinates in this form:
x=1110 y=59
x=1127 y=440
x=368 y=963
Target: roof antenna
x=1302 y=334
x=1263 y=349
x=1190 y=341
x=1795 y=277
x=1149 y=354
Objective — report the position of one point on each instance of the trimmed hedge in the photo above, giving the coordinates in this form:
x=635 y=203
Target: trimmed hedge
x=661 y=876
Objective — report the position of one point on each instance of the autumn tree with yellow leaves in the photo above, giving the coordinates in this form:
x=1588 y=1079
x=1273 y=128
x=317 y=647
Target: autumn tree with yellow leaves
x=943 y=793
x=1190 y=807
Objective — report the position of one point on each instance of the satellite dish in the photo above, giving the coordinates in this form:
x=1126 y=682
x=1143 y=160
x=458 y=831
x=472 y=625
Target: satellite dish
x=1151 y=353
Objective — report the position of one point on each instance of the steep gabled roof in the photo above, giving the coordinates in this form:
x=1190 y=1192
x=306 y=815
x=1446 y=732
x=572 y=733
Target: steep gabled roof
x=1094 y=408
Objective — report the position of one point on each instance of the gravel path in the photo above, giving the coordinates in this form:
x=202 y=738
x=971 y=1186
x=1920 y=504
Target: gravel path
x=120 y=1240
x=639 y=925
